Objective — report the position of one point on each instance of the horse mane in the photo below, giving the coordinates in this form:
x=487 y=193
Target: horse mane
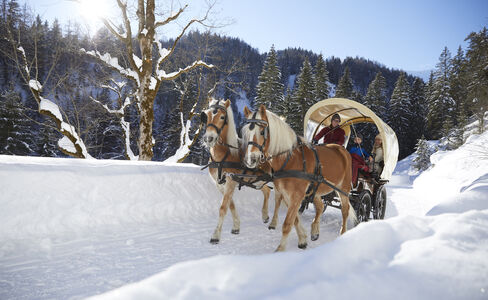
x=281 y=136
x=232 y=138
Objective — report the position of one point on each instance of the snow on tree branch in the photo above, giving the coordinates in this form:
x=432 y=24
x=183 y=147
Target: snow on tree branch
x=71 y=143
x=114 y=63
x=163 y=76
x=172 y=17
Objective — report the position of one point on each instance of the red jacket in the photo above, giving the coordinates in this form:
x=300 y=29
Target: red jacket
x=331 y=135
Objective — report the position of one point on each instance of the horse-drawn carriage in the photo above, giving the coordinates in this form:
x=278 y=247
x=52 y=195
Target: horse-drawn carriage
x=270 y=151
x=368 y=197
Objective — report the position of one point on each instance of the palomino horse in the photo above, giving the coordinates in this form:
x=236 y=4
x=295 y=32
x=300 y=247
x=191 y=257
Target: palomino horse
x=221 y=138
x=271 y=140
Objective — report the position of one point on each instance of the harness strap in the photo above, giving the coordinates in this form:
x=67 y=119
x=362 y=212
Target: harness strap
x=219 y=165
x=308 y=177
x=314 y=186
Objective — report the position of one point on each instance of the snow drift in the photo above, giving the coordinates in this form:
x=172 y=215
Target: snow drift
x=434 y=243
x=443 y=254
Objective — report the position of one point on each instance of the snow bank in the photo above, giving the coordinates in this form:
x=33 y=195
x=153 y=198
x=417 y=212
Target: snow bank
x=42 y=197
x=405 y=258
x=456 y=176
x=439 y=252
x=441 y=255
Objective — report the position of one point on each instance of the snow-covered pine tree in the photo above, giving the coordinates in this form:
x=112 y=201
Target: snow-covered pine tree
x=458 y=84
x=422 y=161
x=321 y=89
x=46 y=140
x=419 y=111
x=458 y=138
x=287 y=103
x=376 y=97
x=447 y=129
x=357 y=96
x=167 y=140
x=400 y=113
x=345 y=85
x=440 y=103
x=269 y=90
x=294 y=113
x=304 y=96
x=477 y=70
x=16 y=136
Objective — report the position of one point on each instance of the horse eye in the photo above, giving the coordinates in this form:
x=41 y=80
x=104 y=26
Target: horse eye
x=262 y=132
x=222 y=117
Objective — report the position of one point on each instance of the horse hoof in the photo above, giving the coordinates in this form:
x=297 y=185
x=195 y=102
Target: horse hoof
x=271 y=227
x=302 y=246
x=314 y=237
x=266 y=220
x=234 y=231
x=214 y=241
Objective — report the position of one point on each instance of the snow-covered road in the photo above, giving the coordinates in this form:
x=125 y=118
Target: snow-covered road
x=77 y=228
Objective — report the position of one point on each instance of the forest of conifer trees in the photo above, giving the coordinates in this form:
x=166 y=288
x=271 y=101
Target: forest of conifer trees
x=287 y=81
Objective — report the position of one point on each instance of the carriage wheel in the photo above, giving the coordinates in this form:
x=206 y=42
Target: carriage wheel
x=364 y=206
x=380 y=203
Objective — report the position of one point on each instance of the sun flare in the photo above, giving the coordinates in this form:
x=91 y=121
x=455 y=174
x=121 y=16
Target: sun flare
x=93 y=10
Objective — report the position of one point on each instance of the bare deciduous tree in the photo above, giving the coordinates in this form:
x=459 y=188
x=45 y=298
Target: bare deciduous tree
x=147 y=71
x=71 y=143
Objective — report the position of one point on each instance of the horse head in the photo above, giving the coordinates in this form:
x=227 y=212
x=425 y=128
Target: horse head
x=256 y=136
x=216 y=121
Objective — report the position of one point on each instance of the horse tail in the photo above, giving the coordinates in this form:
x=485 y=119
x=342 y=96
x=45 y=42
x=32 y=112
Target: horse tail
x=352 y=215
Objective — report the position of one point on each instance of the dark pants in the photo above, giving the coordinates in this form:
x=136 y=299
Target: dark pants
x=357 y=163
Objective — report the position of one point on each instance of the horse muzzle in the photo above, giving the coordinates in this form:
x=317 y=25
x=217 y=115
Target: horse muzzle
x=252 y=160
x=210 y=139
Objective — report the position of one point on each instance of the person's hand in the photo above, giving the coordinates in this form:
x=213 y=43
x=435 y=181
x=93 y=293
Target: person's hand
x=370 y=159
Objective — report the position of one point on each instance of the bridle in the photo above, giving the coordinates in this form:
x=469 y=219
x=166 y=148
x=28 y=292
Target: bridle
x=215 y=107
x=265 y=133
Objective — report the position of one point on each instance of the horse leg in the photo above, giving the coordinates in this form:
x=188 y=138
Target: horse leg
x=264 y=211
x=345 y=209
x=291 y=218
x=235 y=218
x=301 y=232
x=228 y=191
x=278 y=200
x=319 y=208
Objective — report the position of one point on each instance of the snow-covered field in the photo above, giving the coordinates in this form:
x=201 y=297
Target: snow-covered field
x=140 y=230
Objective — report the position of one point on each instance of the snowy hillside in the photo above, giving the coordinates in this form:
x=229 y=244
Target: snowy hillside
x=76 y=228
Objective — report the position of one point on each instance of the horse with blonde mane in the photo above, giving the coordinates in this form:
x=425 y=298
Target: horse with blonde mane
x=298 y=170
x=220 y=137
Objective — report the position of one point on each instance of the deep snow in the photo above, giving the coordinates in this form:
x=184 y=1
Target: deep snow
x=75 y=228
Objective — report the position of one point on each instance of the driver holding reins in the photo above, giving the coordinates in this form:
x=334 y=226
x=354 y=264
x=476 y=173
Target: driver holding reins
x=332 y=134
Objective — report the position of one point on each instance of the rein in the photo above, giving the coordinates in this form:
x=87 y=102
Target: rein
x=315 y=178
x=223 y=164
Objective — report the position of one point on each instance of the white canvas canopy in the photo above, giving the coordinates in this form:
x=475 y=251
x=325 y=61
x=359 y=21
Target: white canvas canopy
x=352 y=112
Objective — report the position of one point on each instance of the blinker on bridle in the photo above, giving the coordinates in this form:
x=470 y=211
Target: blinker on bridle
x=261 y=123
x=216 y=107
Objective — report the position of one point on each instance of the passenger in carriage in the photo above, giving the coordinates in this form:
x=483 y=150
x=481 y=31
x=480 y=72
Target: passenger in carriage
x=376 y=166
x=332 y=134
x=359 y=157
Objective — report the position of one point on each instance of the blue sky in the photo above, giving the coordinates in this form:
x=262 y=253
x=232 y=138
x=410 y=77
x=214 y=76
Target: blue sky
x=403 y=34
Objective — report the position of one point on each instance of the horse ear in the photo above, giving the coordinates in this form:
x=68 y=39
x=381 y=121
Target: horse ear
x=203 y=118
x=262 y=110
x=227 y=103
x=247 y=112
